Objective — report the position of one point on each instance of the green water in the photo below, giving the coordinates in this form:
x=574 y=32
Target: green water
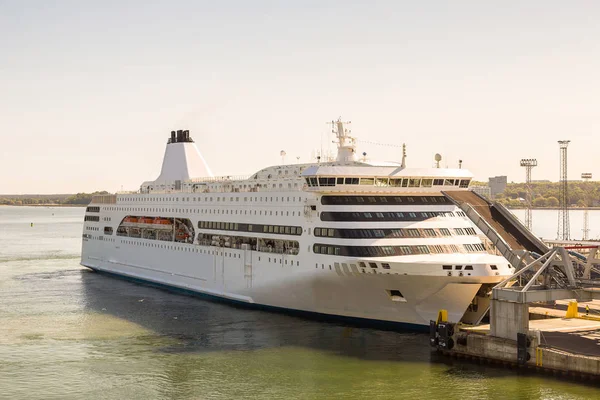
x=68 y=333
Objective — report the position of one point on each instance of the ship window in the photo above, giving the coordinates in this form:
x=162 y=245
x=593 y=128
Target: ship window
x=381 y=181
x=464 y=183
x=395 y=295
x=469 y=267
x=396 y=182
x=373 y=265
x=340 y=181
x=426 y=182
x=367 y=181
x=446 y=267
x=458 y=267
x=362 y=264
x=326 y=181
x=493 y=267
x=317 y=231
x=351 y=181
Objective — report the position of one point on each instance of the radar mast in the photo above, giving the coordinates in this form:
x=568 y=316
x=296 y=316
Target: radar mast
x=346 y=143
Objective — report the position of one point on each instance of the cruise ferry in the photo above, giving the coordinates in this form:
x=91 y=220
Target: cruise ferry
x=373 y=242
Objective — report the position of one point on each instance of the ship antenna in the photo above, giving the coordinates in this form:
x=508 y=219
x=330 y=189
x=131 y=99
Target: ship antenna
x=403 y=156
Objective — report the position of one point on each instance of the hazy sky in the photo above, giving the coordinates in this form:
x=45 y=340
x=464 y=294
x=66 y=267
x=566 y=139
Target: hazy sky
x=89 y=90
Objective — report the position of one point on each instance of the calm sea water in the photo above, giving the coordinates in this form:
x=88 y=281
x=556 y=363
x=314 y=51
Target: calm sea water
x=68 y=333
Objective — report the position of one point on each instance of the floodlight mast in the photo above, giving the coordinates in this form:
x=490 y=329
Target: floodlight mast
x=528 y=163
x=563 y=211
x=586 y=177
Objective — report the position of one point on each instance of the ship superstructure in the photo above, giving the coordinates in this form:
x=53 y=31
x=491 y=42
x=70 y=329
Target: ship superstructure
x=345 y=238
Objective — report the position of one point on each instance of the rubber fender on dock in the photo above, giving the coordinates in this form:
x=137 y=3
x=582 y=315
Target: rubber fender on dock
x=433 y=340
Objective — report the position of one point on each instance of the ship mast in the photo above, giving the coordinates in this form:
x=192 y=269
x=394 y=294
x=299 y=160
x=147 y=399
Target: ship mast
x=346 y=143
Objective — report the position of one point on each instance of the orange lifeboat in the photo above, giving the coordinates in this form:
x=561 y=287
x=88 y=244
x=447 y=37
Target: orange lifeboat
x=182 y=235
x=162 y=221
x=145 y=220
x=131 y=219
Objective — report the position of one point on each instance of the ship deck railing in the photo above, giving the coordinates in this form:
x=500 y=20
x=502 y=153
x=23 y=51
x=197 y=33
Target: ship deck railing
x=263 y=249
x=217 y=179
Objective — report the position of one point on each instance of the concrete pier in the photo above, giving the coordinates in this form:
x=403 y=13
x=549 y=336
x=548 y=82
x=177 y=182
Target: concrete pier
x=555 y=344
x=541 y=357
x=510 y=319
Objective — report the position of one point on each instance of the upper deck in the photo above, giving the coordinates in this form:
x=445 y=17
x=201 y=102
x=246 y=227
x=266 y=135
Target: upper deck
x=185 y=171
x=383 y=179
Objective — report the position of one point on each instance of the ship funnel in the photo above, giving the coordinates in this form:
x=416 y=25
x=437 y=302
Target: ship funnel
x=182 y=159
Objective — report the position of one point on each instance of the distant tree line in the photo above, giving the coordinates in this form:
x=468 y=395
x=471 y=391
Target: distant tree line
x=546 y=194
x=49 y=199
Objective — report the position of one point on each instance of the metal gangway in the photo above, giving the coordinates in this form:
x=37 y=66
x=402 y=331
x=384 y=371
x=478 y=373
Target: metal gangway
x=510 y=237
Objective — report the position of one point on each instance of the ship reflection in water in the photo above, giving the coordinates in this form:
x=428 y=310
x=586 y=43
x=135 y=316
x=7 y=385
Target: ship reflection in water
x=199 y=325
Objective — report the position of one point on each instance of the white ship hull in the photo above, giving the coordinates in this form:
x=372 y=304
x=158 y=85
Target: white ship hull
x=266 y=280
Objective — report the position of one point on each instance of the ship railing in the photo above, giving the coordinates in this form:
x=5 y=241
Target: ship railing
x=191 y=190
x=263 y=249
x=267 y=249
x=227 y=178
x=104 y=199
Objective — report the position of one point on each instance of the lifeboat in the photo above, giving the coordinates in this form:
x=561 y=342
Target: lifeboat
x=182 y=235
x=131 y=219
x=161 y=221
x=145 y=220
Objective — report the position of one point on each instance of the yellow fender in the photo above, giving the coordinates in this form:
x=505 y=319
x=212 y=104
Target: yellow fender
x=572 y=310
x=442 y=316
